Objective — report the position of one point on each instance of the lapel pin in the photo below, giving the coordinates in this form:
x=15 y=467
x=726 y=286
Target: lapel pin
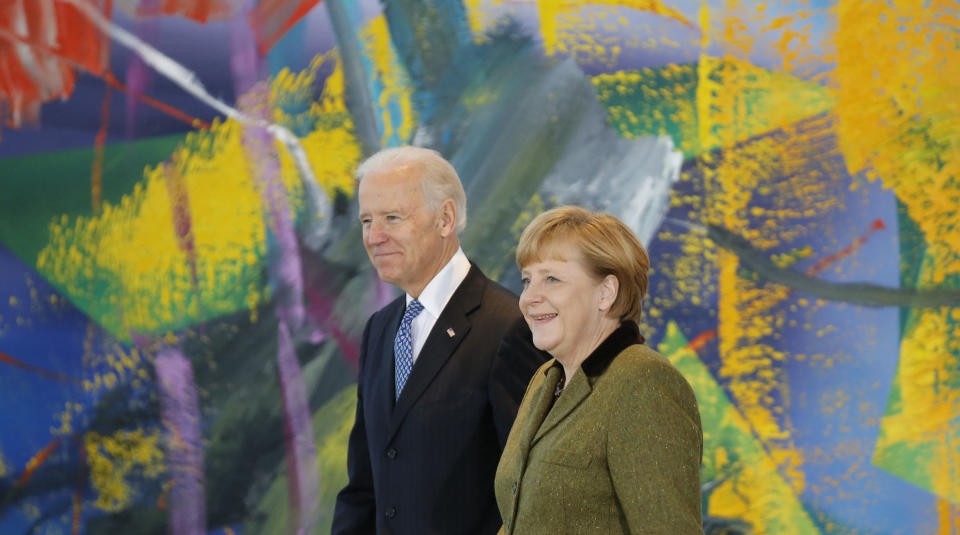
x=450 y=332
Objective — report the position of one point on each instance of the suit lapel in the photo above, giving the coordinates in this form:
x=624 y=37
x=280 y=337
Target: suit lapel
x=439 y=345
x=386 y=393
x=574 y=394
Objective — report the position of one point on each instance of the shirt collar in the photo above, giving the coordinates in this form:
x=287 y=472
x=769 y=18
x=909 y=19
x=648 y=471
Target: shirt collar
x=439 y=290
x=626 y=335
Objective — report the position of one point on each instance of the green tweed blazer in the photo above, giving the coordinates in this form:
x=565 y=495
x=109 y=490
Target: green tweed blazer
x=619 y=450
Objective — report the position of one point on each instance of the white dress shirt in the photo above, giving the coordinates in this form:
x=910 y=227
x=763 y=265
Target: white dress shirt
x=435 y=296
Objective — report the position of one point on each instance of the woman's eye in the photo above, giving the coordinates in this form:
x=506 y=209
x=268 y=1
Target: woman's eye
x=525 y=282
x=552 y=279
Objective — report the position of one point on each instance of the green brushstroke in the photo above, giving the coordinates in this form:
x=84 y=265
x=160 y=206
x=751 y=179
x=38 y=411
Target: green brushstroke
x=724 y=429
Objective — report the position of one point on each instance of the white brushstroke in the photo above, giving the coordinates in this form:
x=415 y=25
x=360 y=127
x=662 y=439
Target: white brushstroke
x=318 y=205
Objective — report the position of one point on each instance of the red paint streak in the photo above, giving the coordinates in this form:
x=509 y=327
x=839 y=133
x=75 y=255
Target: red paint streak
x=96 y=174
x=15 y=80
x=198 y=10
x=829 y=260
x=31 y=76
x=701 y=340
x=81 y=484
x=36 y=461
x=270 y=19
x=182 y=221
x=110 y=79
x=165 y=108
x=321 y=310
x=39 y=371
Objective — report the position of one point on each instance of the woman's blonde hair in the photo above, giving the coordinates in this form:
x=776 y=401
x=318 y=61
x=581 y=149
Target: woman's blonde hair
x=606 y=247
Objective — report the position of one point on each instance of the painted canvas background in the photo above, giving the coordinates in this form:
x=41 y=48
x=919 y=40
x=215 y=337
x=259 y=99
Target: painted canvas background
x=182 y=284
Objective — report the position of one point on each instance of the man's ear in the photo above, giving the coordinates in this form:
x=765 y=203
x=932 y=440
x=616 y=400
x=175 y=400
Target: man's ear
x=609 y=288
x=447 y=218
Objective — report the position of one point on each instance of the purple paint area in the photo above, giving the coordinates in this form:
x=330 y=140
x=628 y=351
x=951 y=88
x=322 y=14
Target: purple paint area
x=320 y=310
x=181 y=419
x=284 y=262
x=303 y=478
x=246 y=65
x=383 y=294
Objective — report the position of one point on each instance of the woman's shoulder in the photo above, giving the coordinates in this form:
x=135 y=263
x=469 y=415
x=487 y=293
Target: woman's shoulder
x=640 y=365
x=640 y=359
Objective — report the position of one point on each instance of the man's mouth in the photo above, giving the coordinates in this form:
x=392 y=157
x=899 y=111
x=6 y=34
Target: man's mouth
x=543 y=317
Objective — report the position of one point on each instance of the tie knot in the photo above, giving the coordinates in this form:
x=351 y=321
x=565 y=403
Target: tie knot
x=414 y=308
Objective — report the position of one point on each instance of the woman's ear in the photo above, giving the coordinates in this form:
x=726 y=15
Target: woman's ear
x=609 y=288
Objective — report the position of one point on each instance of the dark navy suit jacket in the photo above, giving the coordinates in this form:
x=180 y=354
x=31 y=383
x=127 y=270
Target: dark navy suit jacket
x=426 y=464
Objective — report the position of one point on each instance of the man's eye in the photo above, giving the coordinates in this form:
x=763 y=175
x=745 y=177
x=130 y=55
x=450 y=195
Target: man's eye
x=364 y=222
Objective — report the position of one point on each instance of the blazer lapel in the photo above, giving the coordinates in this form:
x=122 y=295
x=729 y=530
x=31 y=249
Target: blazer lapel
x=540 y=401
x=574 y=394
x=440 y=345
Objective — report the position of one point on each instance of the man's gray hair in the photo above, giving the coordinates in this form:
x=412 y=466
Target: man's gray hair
x=438 y=179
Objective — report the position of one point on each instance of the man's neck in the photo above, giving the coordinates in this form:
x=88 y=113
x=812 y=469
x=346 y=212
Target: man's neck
x=450 y=248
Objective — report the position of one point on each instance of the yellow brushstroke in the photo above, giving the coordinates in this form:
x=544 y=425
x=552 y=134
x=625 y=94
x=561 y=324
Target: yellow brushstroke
x=115 y=459
x=333 y=152
x=753 y=489
x=571 y=27
x=753 y=190
x=924 y=422
x=899 y=113
x=126 y=262
x=3 y=466
x=395 y=100
x=898 y=118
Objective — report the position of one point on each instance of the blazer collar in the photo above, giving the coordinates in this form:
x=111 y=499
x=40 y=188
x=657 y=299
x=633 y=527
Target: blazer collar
x=447 y=333
x=626 y=335
x=580 y=386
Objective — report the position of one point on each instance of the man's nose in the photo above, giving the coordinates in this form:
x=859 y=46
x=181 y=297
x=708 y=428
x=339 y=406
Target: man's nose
x=375 y=234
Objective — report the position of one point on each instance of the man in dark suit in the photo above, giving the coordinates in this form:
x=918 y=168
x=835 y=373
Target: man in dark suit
x=442 y=368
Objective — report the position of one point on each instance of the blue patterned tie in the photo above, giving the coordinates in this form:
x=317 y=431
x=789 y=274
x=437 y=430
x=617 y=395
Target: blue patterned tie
x=403 y=346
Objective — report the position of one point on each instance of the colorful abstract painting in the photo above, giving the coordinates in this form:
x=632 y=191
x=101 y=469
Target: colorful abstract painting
x=183 y=286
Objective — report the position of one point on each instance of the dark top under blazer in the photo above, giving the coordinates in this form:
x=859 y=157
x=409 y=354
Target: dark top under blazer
x=426 y=466
x=618 y=452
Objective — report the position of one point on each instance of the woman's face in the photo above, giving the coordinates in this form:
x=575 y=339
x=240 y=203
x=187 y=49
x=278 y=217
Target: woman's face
x=564 y=305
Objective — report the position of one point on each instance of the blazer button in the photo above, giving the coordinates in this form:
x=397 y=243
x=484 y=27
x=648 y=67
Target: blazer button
x=391 y=453
x=391 y=512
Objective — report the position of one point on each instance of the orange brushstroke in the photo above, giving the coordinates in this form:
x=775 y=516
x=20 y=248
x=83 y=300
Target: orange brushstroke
x=272 y=18
x=949 y=517
x=36 y=461
x=37 y=370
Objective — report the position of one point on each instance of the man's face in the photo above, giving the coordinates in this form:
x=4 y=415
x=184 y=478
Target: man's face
x=403 y=239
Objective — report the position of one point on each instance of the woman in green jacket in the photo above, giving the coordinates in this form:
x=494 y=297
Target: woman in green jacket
x=608 y=437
